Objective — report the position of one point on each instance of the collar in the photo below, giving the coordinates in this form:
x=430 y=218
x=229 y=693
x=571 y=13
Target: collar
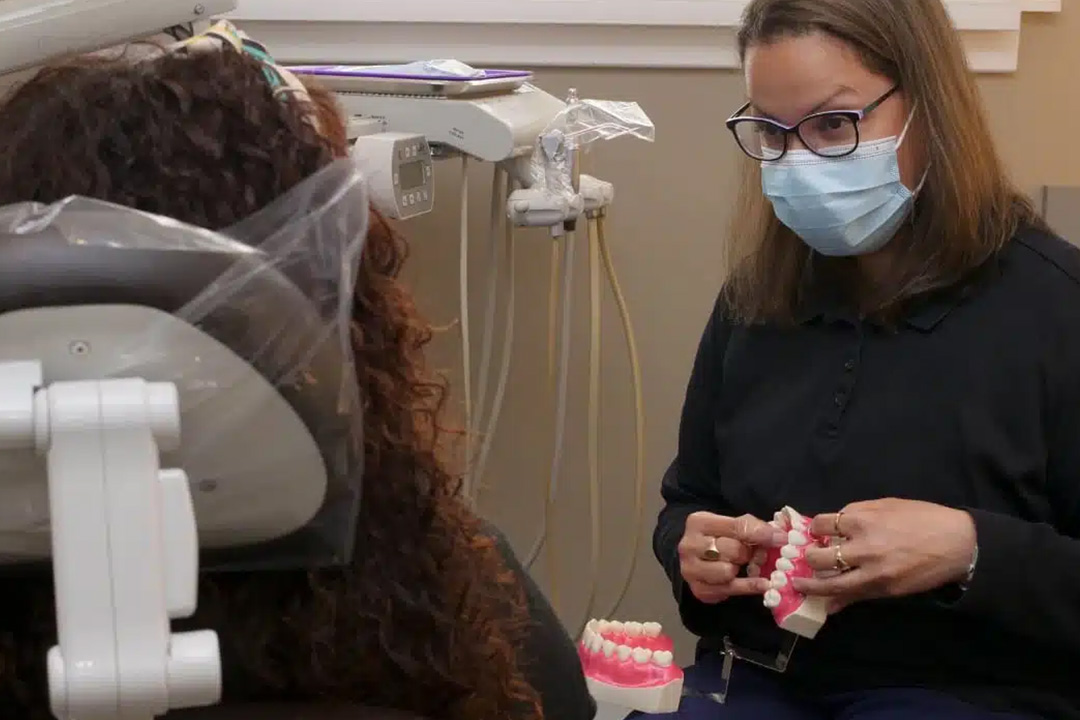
x=923 y=312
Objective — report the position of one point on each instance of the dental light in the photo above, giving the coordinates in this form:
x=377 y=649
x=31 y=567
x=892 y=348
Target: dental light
x=33 y=31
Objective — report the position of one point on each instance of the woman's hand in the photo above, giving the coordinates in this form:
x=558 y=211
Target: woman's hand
x=713 y=550
x=889 y=548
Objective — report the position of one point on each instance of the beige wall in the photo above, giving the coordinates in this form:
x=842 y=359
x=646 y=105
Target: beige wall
x=666 y=227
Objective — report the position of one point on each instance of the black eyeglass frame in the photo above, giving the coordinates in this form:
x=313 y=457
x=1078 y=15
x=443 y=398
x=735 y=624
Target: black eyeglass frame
x=855 y=116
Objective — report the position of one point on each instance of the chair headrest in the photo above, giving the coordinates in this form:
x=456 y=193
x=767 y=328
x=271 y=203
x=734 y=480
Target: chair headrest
x=253 y=325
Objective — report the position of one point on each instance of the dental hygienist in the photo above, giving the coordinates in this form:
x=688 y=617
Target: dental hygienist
x=896 y=351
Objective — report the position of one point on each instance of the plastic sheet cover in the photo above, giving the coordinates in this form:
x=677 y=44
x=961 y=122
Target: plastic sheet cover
x=252 y=324
x=580 y=124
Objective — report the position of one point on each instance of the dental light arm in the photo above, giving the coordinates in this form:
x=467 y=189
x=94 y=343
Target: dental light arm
x=34 y=31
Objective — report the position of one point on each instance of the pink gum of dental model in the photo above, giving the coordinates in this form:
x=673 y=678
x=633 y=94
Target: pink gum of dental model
x=631 y=665
x=792 y=611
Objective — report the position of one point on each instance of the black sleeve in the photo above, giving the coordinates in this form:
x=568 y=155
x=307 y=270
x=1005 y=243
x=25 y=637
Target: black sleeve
x=1026 y=575
x=692 y=481
x=550 y=658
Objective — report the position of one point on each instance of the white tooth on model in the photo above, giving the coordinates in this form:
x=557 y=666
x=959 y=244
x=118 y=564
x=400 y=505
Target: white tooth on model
x=632 y=629
x=797 y=538
x=603 y=626
x=597 y=644
x=663 y=658
x=624 y=651
x=615 y=626
x=587 y=636
x=772 y=598
x=641 y=655
x=753 y=570
x=759 y=557
x=785 y=564
x=593 y=625
x=780 y=518
x=789 y=551
x=778 y=579
x=652 y=629
x=608 y=648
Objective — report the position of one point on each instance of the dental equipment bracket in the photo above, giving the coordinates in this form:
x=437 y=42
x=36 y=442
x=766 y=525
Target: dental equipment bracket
x=124 y=544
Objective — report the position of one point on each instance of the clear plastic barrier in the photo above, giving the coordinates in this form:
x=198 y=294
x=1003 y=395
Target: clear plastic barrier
x=254 y=327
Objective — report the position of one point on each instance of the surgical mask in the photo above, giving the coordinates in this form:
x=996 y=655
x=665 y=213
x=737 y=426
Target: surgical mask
x=852 y=205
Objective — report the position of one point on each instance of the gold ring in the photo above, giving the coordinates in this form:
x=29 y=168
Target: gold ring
x=836 y=523
x=711 y=554
x=840 y=563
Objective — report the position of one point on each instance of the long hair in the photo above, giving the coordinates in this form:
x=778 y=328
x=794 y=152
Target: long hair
x=967 y=209
x=428 y=618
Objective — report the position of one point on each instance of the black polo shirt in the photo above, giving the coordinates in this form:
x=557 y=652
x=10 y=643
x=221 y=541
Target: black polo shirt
x=971 y=401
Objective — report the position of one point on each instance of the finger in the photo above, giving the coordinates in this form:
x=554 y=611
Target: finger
x=697 y=546
x=754 y=531
x=747 y=586
x=733 y=551
x=824 y=558
x=747 y=529
x=707 y=594
x=834 y=524
x=855 y=583
x=718 y=573
x=836 y=604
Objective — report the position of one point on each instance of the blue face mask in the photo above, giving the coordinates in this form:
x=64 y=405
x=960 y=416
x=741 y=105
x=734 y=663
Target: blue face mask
x=841 y=206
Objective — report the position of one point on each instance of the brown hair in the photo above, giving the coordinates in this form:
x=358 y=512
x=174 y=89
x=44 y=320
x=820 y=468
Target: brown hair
x=428 y=619
x=967 y=210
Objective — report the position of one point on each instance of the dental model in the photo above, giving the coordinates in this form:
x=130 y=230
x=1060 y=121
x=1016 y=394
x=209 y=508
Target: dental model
x=631 y=665
x=792 y=610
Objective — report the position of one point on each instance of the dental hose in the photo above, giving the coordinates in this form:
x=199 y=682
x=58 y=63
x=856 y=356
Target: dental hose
x=498 y=205
x=639 y=407
x=508 y=335
x=561 y=397
x=595 y=338
x=553 y=314
x=551 y=560
x=466 y=359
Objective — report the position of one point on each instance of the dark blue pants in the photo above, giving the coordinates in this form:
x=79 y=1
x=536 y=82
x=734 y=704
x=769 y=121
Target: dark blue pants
x=756 y=694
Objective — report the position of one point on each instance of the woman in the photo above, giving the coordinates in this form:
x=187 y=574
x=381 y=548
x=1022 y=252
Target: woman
x=435 y=616
x=896 y=352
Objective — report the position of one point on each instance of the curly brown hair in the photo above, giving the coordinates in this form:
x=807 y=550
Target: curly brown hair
x=428 y=618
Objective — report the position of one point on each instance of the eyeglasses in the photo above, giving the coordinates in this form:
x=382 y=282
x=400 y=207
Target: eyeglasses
x=830 y=134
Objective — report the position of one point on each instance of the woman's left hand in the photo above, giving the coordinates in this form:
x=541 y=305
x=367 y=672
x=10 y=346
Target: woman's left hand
x=888 y=548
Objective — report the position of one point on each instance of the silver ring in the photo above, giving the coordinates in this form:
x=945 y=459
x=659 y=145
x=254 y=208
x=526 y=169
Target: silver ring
x=711 y=554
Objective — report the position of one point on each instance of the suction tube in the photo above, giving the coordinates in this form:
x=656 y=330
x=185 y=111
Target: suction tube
x=562 y=392
x=508 y=332
x=466 y=353
x=639 y=409
x=595 y=338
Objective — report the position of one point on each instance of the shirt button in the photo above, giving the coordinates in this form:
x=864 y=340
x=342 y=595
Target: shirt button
x=849 y=365
x=838 y=399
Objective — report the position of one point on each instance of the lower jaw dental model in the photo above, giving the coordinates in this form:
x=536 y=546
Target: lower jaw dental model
x=631 y=665
x=792 y=611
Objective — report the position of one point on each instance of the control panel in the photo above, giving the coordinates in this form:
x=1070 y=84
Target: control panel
x=399 y=169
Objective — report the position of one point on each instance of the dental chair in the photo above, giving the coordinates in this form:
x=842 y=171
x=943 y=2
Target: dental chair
x=172 y=401
x=170 y=397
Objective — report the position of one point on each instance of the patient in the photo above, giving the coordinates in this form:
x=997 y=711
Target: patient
x=435 y=617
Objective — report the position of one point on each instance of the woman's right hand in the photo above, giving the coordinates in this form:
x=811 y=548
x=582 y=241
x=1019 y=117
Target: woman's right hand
x=713 y=580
